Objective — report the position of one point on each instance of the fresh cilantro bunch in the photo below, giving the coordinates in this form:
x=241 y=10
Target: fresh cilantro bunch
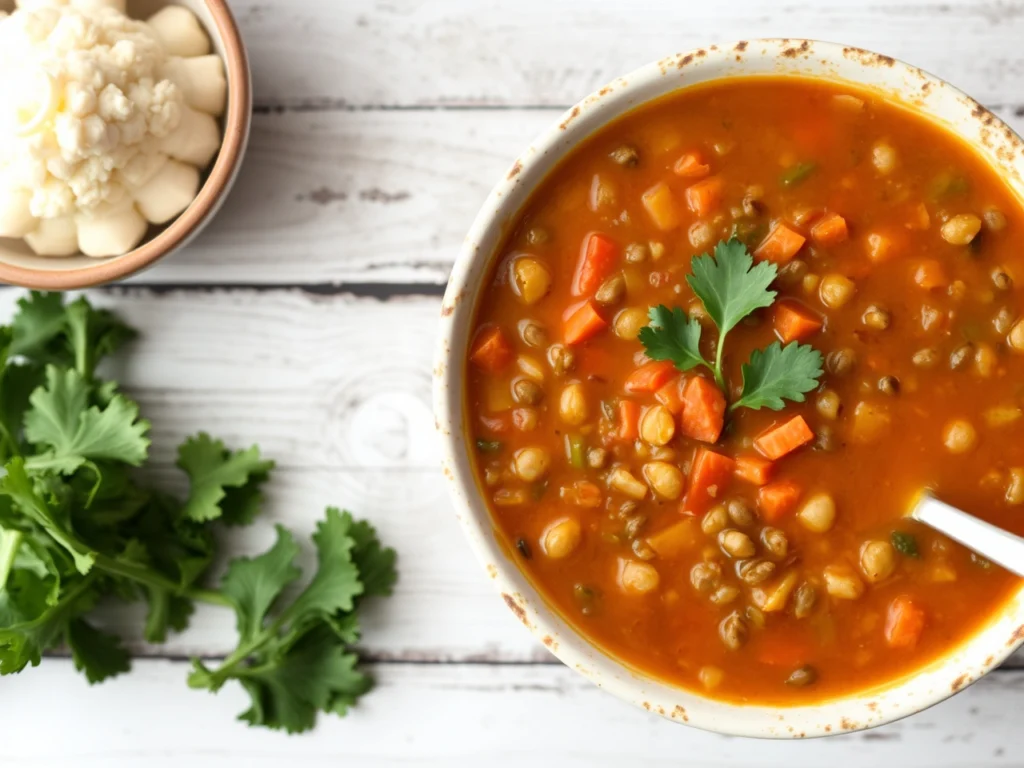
x=78 y=526
x=731 y=286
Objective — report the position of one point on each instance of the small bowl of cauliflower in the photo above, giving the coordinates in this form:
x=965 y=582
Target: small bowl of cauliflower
x=122 y=127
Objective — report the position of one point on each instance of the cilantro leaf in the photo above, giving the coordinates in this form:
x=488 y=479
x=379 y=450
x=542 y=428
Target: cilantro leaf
x=166 y=611
x=779 y=373
x=375 y=563
x=17 y=485
x=336 y=583
x=98 y=654
x=93 y=334
x=730 y=285
x=671 y=335
x=213 y=470
x=40 y=321
x=315 y=674
x=29 y=625
x=75 y=433
x=254 y=584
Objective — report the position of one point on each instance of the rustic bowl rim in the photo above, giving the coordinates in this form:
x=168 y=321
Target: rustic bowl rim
x=237 y=118
x=914 y=88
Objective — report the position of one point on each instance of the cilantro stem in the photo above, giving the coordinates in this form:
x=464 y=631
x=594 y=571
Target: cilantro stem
x=719 y=378
x=151 y=578
x=10 y=541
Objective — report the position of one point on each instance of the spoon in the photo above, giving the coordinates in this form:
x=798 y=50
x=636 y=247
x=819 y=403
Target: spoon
x=989 y=541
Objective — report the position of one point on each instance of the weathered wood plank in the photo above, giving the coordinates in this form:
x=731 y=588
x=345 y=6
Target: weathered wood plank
x=322 y=54
x=380 y=197
x=455 y=716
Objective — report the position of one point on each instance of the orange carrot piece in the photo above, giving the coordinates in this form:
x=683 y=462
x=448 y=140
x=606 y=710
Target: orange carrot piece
x=884 y=246
x=703 y=413
x=785 y=438
x=780 y=650
x=691 y=166
x=931 y=274
x=780 y=245
x=661 y=206
x=709 y=476
x=583 y=323
x=918 y=217
x=491 y=350
x=629 y=420
x=794 y=322
x=754 y=469
x=776 y=500
x=671 y=395
x=676 y=539
x=829 y=230
x=704 y=197
x=596 y=262
x=904 y=623
x=651 y=376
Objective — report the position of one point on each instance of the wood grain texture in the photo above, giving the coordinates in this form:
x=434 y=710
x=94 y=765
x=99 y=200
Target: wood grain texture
x=463 y=716
x=408 y=53
x=367 y=197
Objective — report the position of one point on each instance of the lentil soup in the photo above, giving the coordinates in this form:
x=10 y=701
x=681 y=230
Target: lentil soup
x=749 y=543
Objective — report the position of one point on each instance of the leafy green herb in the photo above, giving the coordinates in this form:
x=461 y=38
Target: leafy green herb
x=905 y=543
x=488 y=446
x=779 y=372
x=671 y=335
x=731 y=287
x=796 y=174
x=77 y=526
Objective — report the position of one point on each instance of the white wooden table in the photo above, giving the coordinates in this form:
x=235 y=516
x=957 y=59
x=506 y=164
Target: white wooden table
x=304 y=320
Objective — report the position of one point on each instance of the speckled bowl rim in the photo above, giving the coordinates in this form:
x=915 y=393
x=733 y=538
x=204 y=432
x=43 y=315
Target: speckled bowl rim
x=863 y=709
x=237 y=119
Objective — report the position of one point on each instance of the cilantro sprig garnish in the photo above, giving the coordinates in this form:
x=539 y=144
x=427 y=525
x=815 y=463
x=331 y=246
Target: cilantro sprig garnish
x=731 y=286
x=77 y=526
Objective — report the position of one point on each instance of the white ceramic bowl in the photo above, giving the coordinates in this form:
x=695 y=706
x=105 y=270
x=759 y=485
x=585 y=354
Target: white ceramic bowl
x=20 y=266
x=932 y=97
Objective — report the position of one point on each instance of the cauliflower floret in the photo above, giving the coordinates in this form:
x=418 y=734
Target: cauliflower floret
x=90 y=135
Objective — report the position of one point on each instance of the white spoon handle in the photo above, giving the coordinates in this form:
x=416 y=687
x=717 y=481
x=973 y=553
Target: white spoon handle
x=989 y=541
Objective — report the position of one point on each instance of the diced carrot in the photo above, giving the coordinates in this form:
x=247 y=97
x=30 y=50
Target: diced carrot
x=754 y=469
x=651 y=376
x=785 y=438
x=692 y=166
x=629 y=420
x=662 y=207
x=676 y=539
x=903 y=623
x=583 y=323
x=491 y=350
x=581 y=493
x=931 y=274
x=596 y=262
x=704 y=197
x=883 y=246
x=805 y=215
x=829 y=230
x=709 y=475
x=671 y=395
x=776 y=500
x=780 y=245
x=703 y=410
x=780 y=650
x=918 y=217
x=794 y=322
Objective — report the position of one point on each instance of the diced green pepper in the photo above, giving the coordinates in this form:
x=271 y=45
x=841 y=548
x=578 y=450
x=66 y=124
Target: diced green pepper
x=577 y=451
x=905 y=544
x=796 y=174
